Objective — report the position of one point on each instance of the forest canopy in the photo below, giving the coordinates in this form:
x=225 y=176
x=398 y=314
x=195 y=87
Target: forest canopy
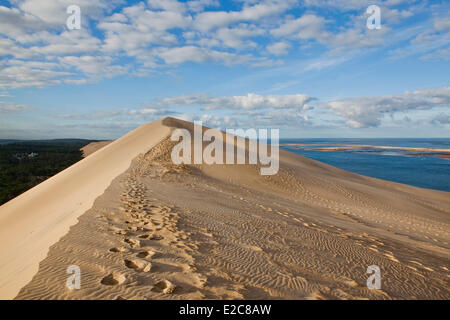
x=25 y=164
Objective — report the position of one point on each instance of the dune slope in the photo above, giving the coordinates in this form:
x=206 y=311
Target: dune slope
x=162 y=231
x=94 y=147
x=33 y=221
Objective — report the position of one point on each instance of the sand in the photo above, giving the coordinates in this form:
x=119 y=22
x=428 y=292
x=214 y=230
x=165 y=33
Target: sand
x=161 y=231
x=410 y=151
x=32 y=222
x=93 y=147
x=338 y=147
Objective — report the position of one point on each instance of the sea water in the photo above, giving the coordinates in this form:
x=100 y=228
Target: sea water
x=394 y=165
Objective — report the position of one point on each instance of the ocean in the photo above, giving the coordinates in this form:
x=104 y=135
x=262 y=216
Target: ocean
x=421 y=169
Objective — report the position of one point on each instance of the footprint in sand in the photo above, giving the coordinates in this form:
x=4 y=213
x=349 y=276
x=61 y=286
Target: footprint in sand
x=118 y=249
x=156 y=237
x=113 y=279
x=132 y=242
x=138 y=264
x=164 y=286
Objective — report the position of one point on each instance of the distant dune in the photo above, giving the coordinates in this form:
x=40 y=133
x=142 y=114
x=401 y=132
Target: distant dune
x=94 y=146
x=140 y=227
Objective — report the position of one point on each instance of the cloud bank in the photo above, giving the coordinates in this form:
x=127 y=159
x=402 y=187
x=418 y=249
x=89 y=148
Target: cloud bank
x=116 y=38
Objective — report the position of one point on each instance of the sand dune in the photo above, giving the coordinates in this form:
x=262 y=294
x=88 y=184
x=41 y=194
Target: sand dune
x=93 y=147
x=161 y=231
x=32 y=222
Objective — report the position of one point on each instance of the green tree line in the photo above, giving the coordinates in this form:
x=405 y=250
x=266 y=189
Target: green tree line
x=20 y=172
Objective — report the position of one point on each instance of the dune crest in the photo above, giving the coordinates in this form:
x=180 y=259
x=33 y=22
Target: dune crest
x=94 y=147
x=32 y=222
x=165 y=231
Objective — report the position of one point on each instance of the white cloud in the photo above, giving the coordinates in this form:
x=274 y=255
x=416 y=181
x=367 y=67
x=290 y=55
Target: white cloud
x=394 y=16
x=93 y=65
x=439 y=54
x=143 y=37
x=353 y=5
x=442 y=24
x=237 y=37
x=206 y=21
x=200 y=5
x=54 y=11
x=289 y=111
x=249 y=102
x=369 y=111
x=13 y=22
x=441 y=119
x=196 y=54
x=311 y=27
x=144 y=32
x=67 y=42
x=431 y=43
x=279 y=48
x=352 y=40
x=167 y=5
x=126 y=113
x=20 y=74
x=9 y=47
x=135 y=29
x=308 y=26
x=10 y=107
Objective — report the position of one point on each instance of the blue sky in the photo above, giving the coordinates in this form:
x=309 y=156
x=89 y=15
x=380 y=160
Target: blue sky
x=309 y=68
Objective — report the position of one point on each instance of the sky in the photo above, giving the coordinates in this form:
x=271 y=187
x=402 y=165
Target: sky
x=309 y=68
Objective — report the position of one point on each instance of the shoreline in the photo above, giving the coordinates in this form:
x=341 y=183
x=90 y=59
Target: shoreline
x=341 y=146
x=424 y=152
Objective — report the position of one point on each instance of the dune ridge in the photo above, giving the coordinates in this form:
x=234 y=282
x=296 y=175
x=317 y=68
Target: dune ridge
x=33 y=221
x=161 y=231
x=93 y=147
